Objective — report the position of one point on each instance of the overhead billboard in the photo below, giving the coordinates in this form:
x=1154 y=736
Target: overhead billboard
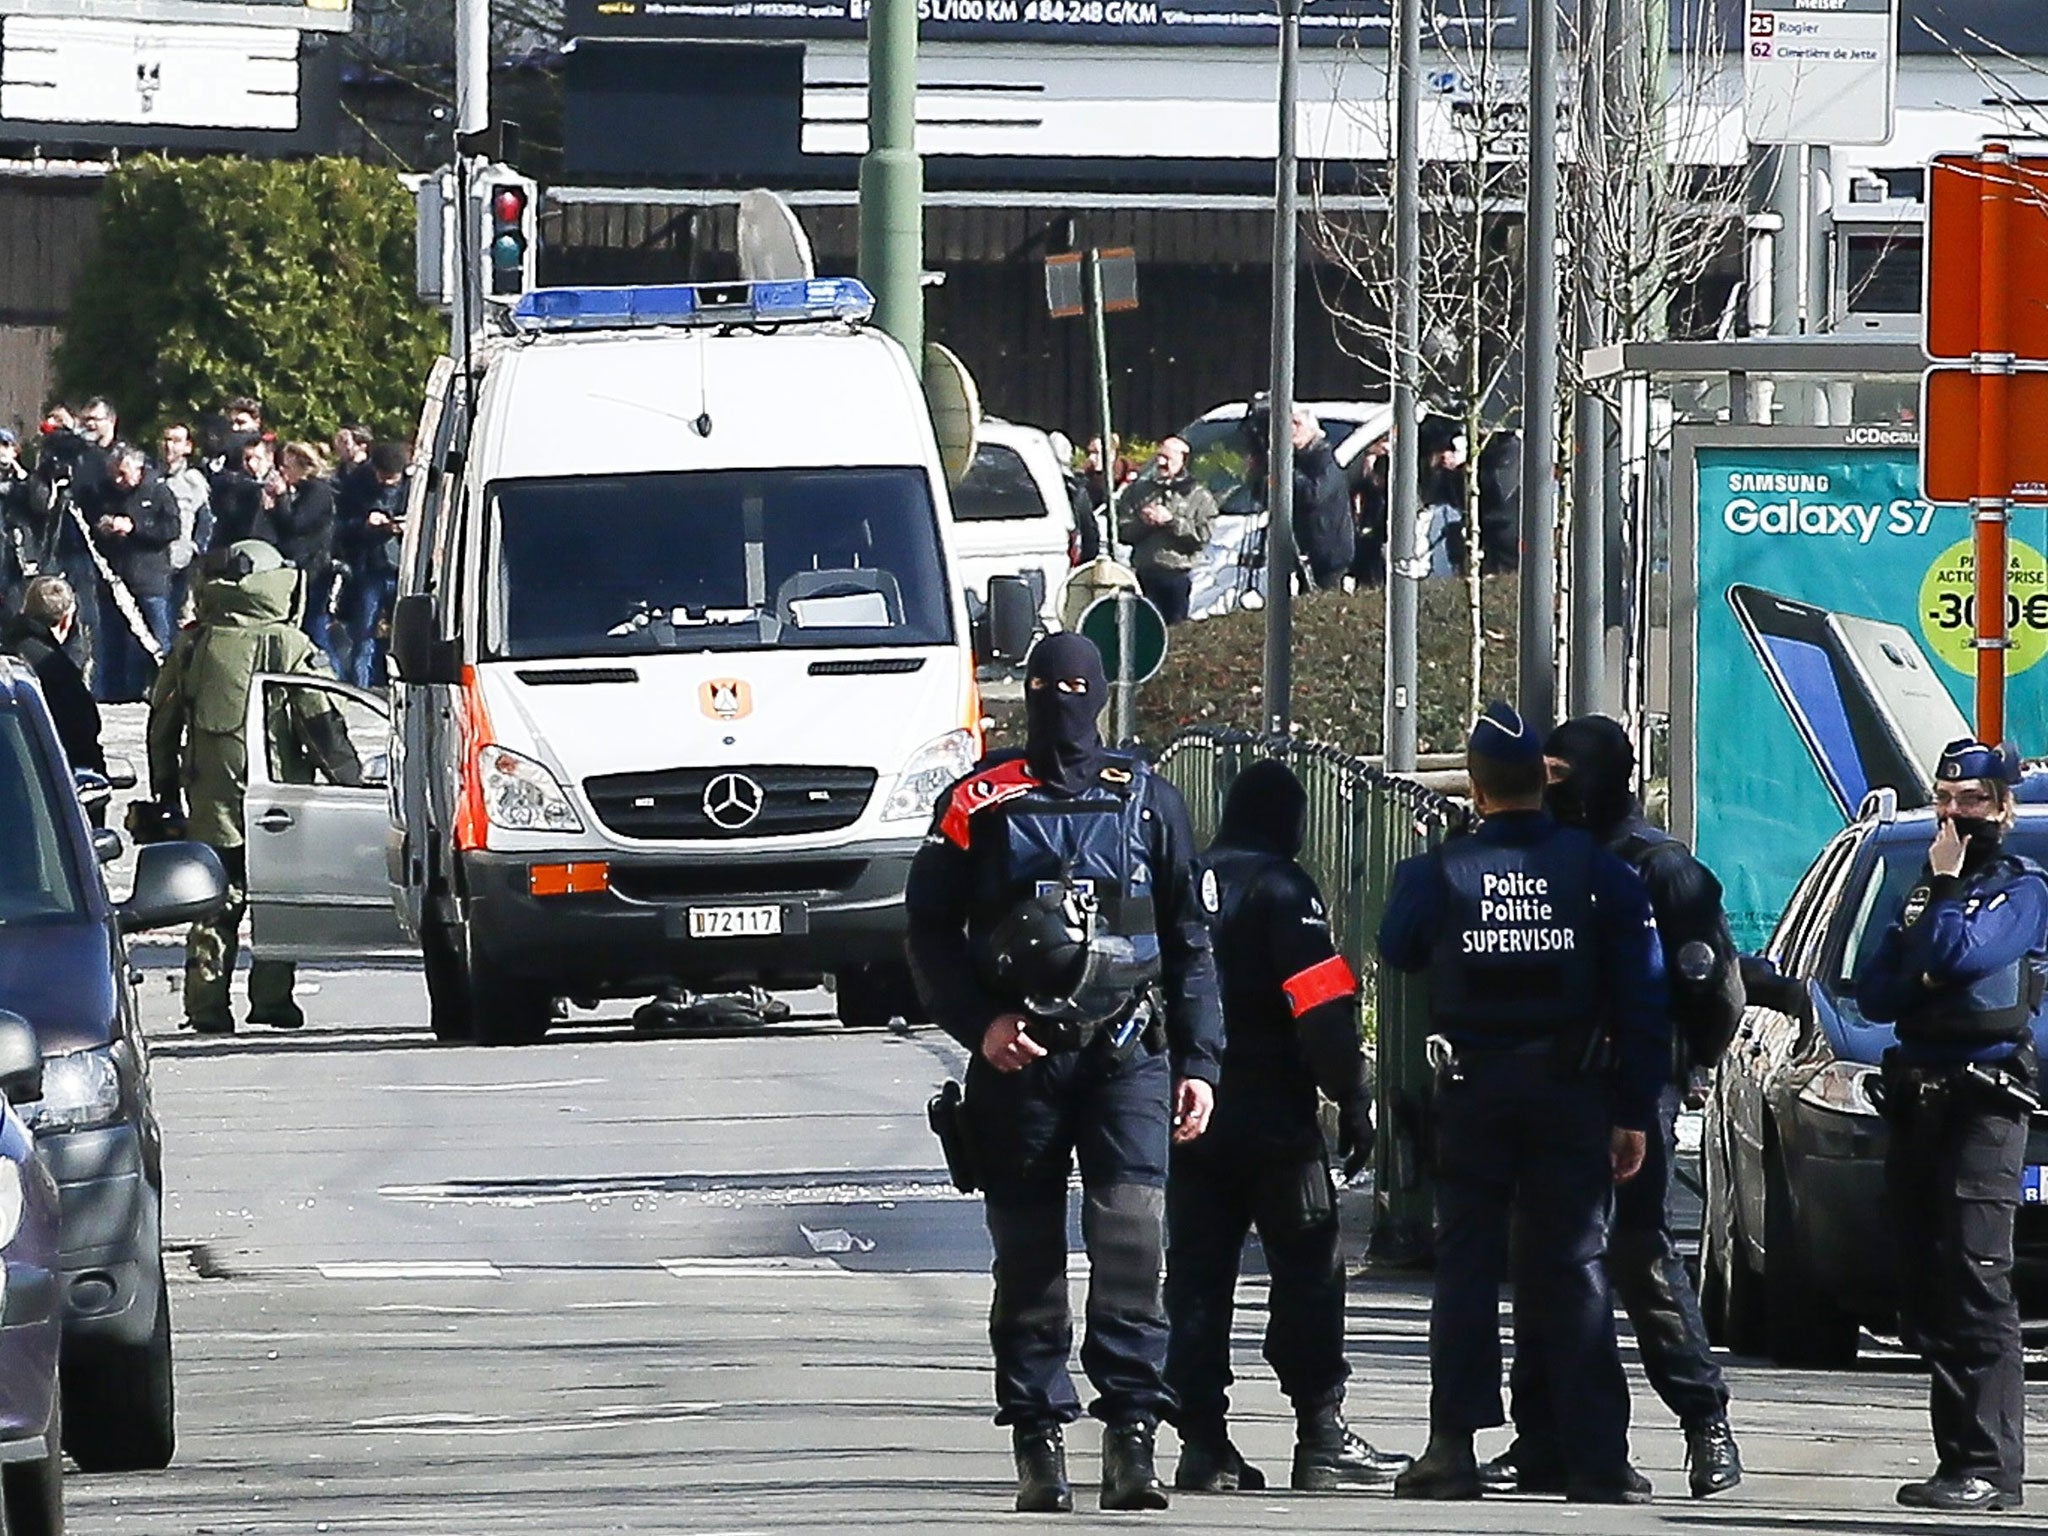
x=1145 y=23
x=299 y=15
x=1822 y=629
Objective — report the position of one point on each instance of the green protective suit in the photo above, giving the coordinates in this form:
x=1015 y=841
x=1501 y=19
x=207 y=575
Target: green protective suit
x=198 y=714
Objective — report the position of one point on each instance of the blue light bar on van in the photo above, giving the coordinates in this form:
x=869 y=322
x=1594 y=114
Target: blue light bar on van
x=780 y=302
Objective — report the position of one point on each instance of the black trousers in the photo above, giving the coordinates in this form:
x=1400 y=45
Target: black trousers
x=1170 y=592
x=1649 y=1278
x=1222 y=1188
x=1952 y=1176
x=1030 y=1129
x=1516 y=1140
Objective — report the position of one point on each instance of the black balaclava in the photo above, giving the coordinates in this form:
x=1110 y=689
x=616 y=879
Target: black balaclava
x=1267 y=810
x=1596 y=793
x=1062 y=743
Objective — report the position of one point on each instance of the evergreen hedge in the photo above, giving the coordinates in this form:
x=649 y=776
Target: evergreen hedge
x=291 y=281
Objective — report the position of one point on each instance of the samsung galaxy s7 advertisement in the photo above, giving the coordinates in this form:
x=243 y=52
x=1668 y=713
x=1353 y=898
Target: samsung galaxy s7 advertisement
x=1834 y=618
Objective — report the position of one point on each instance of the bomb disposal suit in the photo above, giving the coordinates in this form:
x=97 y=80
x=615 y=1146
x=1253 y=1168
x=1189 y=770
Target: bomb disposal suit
x=1961 y=975
x=1290 y=1019
x=1547 y=997
x=1056 y=887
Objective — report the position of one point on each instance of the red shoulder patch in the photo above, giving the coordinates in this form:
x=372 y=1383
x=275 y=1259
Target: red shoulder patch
x=1321 y=983
x=977 y=792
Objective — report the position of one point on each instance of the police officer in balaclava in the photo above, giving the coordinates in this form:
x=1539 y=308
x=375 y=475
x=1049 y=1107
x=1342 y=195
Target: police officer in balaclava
x=1592 y=765
x=1960 y=976
x=1056 y=933
x=1290 y=1011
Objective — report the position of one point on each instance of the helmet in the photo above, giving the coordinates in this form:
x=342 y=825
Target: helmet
x=1039 y=950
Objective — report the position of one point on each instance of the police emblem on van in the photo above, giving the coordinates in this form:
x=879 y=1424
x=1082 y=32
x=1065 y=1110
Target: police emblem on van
x=725 y=698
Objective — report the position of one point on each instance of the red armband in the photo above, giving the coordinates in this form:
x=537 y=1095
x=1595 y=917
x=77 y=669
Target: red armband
x=1321 y=983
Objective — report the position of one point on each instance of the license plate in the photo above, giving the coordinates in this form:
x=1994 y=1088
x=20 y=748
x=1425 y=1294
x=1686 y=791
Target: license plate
x=2034 y=1185
x=734 y=922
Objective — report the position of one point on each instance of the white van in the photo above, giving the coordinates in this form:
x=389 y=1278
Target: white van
x=1012 y=517
x=683 y=659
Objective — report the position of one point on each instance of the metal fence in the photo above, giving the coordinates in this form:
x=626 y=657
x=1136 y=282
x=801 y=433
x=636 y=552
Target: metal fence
x=1361 y=823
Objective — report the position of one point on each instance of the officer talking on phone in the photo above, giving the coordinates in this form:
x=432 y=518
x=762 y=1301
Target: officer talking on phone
x=1546 y=991
x=1290 y=1011
x=1960 y=975
x=1056 y=934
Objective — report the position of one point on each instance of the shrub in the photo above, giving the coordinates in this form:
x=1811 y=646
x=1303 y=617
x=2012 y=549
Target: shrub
x=288 y=280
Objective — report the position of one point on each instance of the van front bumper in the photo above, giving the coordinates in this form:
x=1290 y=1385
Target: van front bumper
x=836 y=908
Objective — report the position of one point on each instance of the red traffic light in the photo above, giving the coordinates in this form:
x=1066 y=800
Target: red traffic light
x=508 y=204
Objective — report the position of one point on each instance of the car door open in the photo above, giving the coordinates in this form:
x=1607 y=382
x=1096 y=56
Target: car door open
x=319 y=888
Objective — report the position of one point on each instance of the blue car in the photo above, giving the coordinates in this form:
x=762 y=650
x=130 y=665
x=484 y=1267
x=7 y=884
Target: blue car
x=64 y=967
x=1796 y=1257
x=31 y=1318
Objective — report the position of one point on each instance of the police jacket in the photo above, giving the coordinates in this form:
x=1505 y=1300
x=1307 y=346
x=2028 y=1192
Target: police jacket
x=1290 y=1001
x=1000 y=832
x=1531 y=930
x=1685 y=899
x=1960 y=972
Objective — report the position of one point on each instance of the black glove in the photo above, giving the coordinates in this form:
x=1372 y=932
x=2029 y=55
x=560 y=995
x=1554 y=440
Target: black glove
x=155 y=821
x=1355 y=1137
x=1764 y=985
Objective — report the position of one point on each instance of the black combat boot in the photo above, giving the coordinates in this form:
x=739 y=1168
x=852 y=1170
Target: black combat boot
x=1627 y=1486
x=1042 y=1487
x=1209 y=1463
x=1447 y=1470
x=1128 y=1480
x=1329 y=1456
x=1712 y=1462
x=1514 y=1470
x=1959 y=1495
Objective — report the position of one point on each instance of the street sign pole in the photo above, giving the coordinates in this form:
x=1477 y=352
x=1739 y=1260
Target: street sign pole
x=1280 y=551
x=1992 y=363
x=1098 y=348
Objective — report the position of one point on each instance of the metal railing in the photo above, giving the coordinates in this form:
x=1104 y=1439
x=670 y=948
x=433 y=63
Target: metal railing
x=1362 y=821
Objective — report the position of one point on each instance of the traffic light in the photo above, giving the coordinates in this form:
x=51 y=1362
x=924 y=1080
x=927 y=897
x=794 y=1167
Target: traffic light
x=506 y=245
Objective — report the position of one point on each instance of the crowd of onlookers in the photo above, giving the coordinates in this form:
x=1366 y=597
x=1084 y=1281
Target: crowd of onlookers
x=105 y=542
x=1167 y=514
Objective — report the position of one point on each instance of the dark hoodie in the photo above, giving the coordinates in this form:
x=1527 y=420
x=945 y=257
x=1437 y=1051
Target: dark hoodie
x=1290 y=1009
x=1063 y=743
x=72 y=709
x=1684 y=895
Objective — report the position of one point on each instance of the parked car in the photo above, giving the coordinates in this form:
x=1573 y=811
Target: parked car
x=64 y=966
x=1012 y=517
x=1795 y=1256
x=31 y=1322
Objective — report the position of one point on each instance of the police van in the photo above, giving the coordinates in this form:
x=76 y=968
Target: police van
x=682 y=661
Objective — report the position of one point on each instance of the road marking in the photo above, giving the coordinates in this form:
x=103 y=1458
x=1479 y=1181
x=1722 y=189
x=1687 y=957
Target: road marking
x=553 y=1082
x=415 y=1269
x=466 y=1424
x=765 y=1267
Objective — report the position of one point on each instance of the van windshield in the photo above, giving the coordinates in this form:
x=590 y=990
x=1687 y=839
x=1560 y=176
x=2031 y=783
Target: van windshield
x=716 y=560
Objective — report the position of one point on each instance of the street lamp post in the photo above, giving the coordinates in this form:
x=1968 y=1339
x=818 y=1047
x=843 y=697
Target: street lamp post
x=1280 y=557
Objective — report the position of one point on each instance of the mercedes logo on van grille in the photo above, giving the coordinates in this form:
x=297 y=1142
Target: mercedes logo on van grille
x=732 y=801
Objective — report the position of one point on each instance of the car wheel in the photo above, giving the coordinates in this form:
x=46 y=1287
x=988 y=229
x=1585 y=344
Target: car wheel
x=870 y=996
x=1731 y=1295
x=447 y=997
x=509 y=1011
x=123 y=1401
x=33 y=1491
x=1804 y=1325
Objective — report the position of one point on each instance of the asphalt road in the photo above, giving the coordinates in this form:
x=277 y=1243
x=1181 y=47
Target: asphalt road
x=714 y=1285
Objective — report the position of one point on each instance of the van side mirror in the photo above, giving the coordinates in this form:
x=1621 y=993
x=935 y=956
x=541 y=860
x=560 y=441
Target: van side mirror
x=21 y=1060
x=1012 y=619
x=174 y=883
x=417 y=649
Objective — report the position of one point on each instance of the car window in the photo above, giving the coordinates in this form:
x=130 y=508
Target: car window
x=1800 y=910
x=1809 y=956
x=1219 y=453
x=38 y=879
x=997 y=488
x=359 y=727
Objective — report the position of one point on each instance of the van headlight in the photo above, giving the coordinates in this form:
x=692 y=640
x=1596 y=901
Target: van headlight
x=81 y=1090
x=522 y=796
x=1843 y=1086
x=931 y=768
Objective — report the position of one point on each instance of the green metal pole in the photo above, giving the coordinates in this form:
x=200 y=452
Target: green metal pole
x=892 y=178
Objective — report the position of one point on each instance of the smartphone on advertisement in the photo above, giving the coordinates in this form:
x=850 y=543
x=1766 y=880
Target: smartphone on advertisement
x=1832 y=707
x=1917 y=710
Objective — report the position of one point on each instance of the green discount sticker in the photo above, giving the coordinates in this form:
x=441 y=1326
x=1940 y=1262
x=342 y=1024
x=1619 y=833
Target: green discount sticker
x=1948 y=606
